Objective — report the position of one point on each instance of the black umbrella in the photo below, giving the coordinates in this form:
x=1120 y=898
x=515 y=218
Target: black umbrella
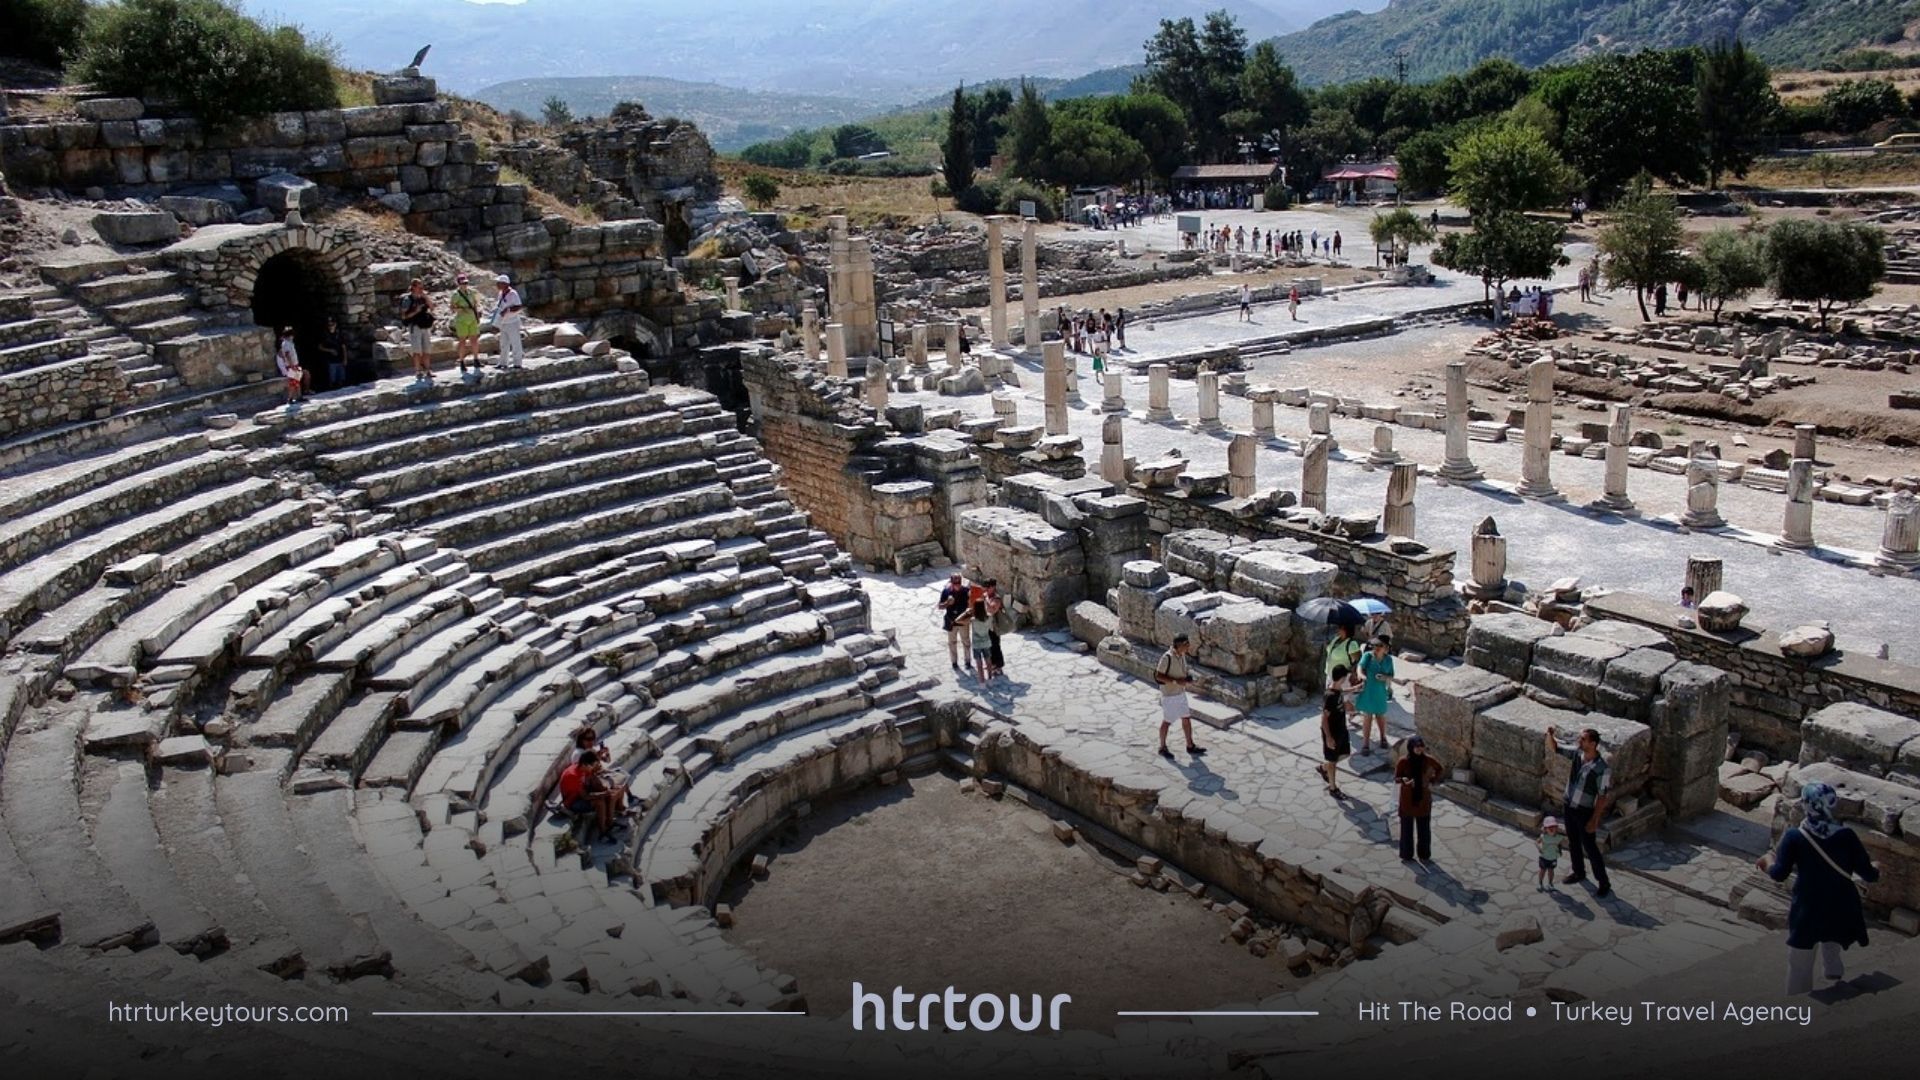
x=1325 y=610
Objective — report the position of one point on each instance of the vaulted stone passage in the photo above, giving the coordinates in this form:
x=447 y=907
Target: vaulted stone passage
x=295 y=288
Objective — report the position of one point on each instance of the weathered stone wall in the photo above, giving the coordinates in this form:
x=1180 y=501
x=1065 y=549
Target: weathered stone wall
x=87 y=388
x=1771 y=692
x=1041 y=569
x=1885 y=814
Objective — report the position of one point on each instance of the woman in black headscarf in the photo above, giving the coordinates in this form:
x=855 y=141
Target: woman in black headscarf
x=1415 y=775
x=1826 y=910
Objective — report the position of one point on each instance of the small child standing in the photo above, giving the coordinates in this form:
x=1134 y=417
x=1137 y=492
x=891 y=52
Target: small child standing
x=1550 y=840
x=980 y=636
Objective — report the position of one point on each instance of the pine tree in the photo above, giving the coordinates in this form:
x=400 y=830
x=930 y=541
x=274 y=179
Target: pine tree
x=1737 y=104
x=957 y=149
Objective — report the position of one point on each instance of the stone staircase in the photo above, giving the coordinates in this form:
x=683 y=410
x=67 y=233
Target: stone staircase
x=123 y=307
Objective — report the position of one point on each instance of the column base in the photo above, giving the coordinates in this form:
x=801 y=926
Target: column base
x=1383 y=460
x=1612 y=504
x=1160 y=415
x=1461 y=472
x=1206 y=425
x=1544 y=492
x=1794 y=543
x=1905 y=561
x=1473 y=590
x=1113 y=405
x=1694 y=520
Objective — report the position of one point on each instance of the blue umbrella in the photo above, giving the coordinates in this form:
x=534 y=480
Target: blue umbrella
x=1366 y=605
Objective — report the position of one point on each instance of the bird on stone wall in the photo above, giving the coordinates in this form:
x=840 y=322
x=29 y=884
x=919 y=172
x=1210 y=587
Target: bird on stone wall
x=419 y=56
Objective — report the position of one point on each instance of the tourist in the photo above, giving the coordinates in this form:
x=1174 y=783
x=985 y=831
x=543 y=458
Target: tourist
x=952 y=605
x=1686 y=596
x=1336 y=243
x=583 y=791
x=506 y=318
x=1585 y=284
x=586 y=742
x=332 y=348
x=1433 y=219
x=1681 y=294
x=1174 y=678
x=999 y=620
x=1376 y=692
x=1315 y=249
x=979 y=630
x=1246 y=303
x=1416 y=773
x=1344 y=652
x=466 y=323
x=966 y=347
x=1335 y=741
x=1293 y=302
x=287 y=359
x=1660 y=300
x=416 y=314
x=1550 y=840
x=1586 y=805
x=1120 y=326
x=1826 y=904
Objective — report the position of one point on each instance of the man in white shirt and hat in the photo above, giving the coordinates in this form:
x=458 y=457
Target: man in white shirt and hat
x=506 y=318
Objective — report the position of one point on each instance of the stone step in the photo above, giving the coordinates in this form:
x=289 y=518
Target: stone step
x=72 y=270
x=510 y=478
x=347 y=610
x=254 y=811
x=21 y=494
x=57 y=574
x=265 y=608
x=33 y=533
x=39 y=789
x=16 y=359
x=348 y=741
x=417 y=672
x=150 y=310
x=31 y=331
x=119 y=288
x=469 y=690
x=464 y=764
x=729 y=687
x=400 y=759
x=627 y=579
x=575 y=532
x=16 y=304
x=188 y=824
x=727 y=739
x=128 y=844
x=164 y=330
x=367 y=417
x=630 y=548
x=391 y=636
x=304 y=706
x=469 y=524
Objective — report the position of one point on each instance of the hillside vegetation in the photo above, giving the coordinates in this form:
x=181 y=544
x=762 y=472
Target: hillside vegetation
x=730 y=117
x=1436 y=37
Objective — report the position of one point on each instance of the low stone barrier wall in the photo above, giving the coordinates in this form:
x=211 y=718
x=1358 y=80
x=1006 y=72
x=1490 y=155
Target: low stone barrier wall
x=90 y=387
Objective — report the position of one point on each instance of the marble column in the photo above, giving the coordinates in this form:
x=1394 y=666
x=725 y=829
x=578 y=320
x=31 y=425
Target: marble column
x=1114 y=392
x=1030 y=285
x=1398 y=520
x=1006 y=408
x=1619 y=432
x=1157 y=398
x=1703 y=491
x=1313 y=473
x=733 y=293
x=1900 y=538
x=1263 y=414
x=810 y=330
x=1703 y=576
x=1536 y=455
x=876 y=383
x=1208 y=383
x=836 y=350
x=996 y=282
x=1113 y=453
x=863 y=321
x=1073 y=382
x=1055 y=385
x=917 y=349
x=1796 y=526
x=1489 y=562
x=1241 y=458
x=1383 y=453
x=955 y=358
x=1320 y=423
x=839 y=258
x=1458 y=465
x=1803 y=440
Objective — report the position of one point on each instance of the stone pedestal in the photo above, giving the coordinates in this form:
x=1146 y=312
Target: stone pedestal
x=850 y=286
x=1383 y=453
x=1030 y=285
x=836 y=350
x=1313 y=472
x=1703 y=491
x=1073 y=383
x=1703 y=576
x=1536 y=456
x=876 y=383
x=1006 y=408
x=1263 y=414
x=1398 y=520
x=1240 y=465
x=1619 y=433
x=1208 y=383
x=1113 y=392
x=1489 y=562
x=1900 y=538
x=1320 y=419
x=1055 y=387
x=955 y=358
x=1804 y=440
x=1157 y=375
x=996 y=282
x=1796 y=526
x=917 y=350
x=810 y=330
x=1458 y=465
x=1113 y=453
x=733 y=293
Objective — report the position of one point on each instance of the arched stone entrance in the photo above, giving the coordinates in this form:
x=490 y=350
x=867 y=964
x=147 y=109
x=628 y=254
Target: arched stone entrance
x=295 y=289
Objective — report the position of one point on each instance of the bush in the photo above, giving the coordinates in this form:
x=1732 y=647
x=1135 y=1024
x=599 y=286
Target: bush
x=1277 y=197
x=205 y=56
x=1853 y=106
x=879 y=167
x=760 y=188
x=43 y=31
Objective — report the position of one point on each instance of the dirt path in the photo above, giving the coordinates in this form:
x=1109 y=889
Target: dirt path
x=922 y=886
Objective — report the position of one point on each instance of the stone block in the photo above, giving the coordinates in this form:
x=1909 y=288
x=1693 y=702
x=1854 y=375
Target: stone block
x=197 y=211
x=1694 y=700
x=1092 y=622
x=1143 y=574
x=1859 y=737
x=110 y=108
x=1626 y=744
x=283 y=191
x=403 y=89
x=1635 y=676
x=1504 y=643
x=137 y=228
x=1571 y=666
x=1444 y=706
x=1281 y=578
x=1881 y=805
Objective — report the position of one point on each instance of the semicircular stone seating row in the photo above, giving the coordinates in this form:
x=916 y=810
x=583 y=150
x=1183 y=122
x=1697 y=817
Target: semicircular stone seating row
x=291 y=697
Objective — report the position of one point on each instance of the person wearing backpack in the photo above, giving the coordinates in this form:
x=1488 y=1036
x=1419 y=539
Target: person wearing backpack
x=1825 y=913
x=416 y=314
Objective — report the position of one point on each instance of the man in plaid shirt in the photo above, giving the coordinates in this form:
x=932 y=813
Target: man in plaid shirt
x=1586 y=805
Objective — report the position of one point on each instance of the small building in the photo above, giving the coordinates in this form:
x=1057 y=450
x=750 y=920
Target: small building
x=1362 y=181
x=1259 y=175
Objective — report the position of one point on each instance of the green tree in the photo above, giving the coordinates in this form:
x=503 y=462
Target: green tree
x=1621 y=115
x=1858 y=105
x=1733 y=263
x=1502 y=247
x=1199 y=69
x=1826 y=263
x=1328 y=138
x=853 y=140
x=206 y=55
x=1423 y=160
x=1031 y=129
x=1640 y=245
x=956 y=151
x=1156 y=124
x=1400 y=229
x=990 y=109
x=793 y=152
x=761 y=189
x=1085 y=149
x=1505 y=168
x=555 y=111
x=1269 y=91
x=43 y=31
x=1734 y=94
